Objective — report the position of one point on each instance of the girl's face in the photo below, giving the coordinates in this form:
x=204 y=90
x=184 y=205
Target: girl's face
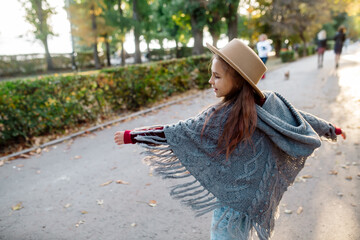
x=221 y=81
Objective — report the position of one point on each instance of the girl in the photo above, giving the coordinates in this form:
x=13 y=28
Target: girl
x=238 y=157
x=263 y=48
x=321 y=47
x=339 y=41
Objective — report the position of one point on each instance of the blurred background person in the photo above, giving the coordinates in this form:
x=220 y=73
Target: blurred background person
x=263 y=48
x=339 y=41
x=321 y=47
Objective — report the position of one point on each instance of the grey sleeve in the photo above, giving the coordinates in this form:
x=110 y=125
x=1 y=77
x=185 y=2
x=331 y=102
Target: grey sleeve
x=321 y=127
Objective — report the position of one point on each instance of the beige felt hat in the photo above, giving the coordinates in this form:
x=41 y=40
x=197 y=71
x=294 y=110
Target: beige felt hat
x=244 y=60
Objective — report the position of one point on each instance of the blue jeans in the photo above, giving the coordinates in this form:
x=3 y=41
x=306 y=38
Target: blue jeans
x=220 y=232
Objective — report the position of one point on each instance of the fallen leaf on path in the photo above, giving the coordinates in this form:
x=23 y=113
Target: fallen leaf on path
x=340 y=194
x=38 y=151
x=307 y=176
x=84 y=212
x=333 y=172
x=20 y=165
x=355 y=163
x=17 y=207
x=121 y=182
x=299 y=210
x=100 y=202
x=79 y=223
x=67 y=205
x=338 y=153
x=24 y=155
x=150 y=174
x=106 y=183
x=46 y=149
x=133 y=224
x=113 y=168
x=349 y=178
x=77 y=157
x=288 y=211
x=2 y=162
x=345 y=167
x=152 y=203
x=148 y=184
x=353 y=204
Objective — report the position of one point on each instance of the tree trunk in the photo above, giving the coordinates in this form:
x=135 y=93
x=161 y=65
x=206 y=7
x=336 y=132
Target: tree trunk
x=123 y=57
x=215 y=38
x=136 y=33
x=198 y=37
x=93 y=27
x=108 y=51
x=177 y=52
x=305 y=44
x=232 y=21
x=49 y=63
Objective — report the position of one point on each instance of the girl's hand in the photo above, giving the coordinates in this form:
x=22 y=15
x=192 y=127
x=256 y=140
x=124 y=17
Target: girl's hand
x=119 y=137
x=343 y=134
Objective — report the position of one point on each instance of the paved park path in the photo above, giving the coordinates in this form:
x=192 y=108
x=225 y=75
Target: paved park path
x=89 y=188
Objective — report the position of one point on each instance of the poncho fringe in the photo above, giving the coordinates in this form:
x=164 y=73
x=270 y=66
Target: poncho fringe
x=164 y=163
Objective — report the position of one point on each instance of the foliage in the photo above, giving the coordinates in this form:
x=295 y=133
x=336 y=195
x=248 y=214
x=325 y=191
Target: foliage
x=287 y=55
x=48 y=105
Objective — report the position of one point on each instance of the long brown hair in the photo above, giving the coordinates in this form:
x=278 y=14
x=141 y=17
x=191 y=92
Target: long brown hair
x=241 y=122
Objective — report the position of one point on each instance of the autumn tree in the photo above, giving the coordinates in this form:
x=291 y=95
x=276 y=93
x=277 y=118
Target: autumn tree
x=298 y=17
x=88 y=26
x=38 y=13
x=196 y=9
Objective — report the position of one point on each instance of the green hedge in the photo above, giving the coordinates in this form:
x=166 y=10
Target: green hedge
x=30 y=108
x=287 y=55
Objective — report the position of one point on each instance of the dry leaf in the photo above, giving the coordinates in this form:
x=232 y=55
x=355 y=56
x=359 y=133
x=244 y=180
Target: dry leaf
x=349 y=178
x=353 y=204
x=106 y=183
x=113 y=168
x=84 y=212
x=287 y=211
x=77 y=157
x=100 y=202
x=38 y=172
x=121 y=182
x=307 y=176
x=148 y=184
x=345 y=167
x=150 y=174
x=133 y=224
x=20 y=165
x=299 y=210
x=333 y=172
x=152 y=203
x=46 y=149
x=2 y=162
x=24 y=155
x=67 y=205
x=38 y=151
x=80 y=222
x=340 y=194
x=338 y=153
x=17 y=206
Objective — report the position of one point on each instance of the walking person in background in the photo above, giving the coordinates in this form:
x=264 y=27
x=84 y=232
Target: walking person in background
x=321 y=47
x=263 y=48
x=339 y=41
x=238 y=157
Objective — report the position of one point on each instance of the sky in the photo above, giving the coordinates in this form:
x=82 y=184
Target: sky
x=13 y=25
x=16 y=36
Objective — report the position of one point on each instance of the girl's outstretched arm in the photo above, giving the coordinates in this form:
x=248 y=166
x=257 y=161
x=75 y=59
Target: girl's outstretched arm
x=322 y=127
x=130 y=136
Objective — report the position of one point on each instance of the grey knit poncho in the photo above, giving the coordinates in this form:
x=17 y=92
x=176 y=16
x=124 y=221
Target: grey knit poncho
x=254 y=178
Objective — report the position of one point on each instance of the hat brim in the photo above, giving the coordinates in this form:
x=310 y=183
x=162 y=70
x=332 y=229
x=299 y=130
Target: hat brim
x=234 y=66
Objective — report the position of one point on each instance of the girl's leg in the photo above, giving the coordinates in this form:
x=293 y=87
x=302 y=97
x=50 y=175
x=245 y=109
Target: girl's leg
x=219 y=225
